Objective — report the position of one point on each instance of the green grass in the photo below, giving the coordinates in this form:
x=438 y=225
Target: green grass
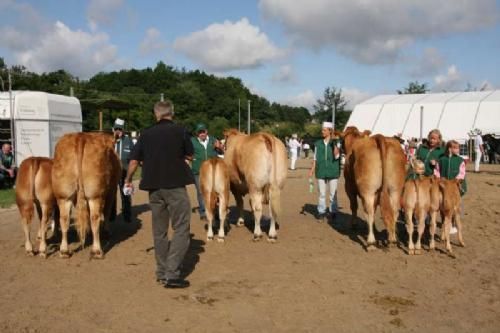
x=7 y=198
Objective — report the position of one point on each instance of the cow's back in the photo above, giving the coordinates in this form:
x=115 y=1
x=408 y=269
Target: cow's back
x=65 y=167
x=34 y=181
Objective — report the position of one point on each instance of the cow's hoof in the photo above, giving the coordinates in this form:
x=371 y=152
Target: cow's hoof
x=220 y=239
x=411 y=252
x=64 y=254
x=462 y=244
x=42 y=255
x=272 y=239
x=210 y=238
x=257 y=238
x=370 y=248
x=418 y=251
x=97 y=255
x=392 y=244
x=450 y=254
x=30 y=253
x=240 y=223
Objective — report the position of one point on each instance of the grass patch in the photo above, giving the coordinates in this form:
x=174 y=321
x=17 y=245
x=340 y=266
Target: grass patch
x=7 y=198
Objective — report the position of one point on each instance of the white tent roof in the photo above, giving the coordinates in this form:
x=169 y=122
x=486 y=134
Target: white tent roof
x=455 y=114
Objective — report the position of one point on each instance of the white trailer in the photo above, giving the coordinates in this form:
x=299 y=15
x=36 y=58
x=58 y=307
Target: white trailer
x=40 y=119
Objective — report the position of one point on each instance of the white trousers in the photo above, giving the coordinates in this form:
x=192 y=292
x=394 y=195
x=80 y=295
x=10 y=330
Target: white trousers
x=293 y=158
x=478 y=160
x=332 y=184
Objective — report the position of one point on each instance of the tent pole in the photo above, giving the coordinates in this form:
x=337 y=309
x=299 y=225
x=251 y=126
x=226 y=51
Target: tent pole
x=11 y=106
x=100 y=120
x=421 y=122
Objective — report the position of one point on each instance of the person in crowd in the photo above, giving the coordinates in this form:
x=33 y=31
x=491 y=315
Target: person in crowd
x=7 y=166
x=306 y=147
x=293 y=146
x=430 y=151
x=123 y=147
x=452 y=166
x=163 y=150
x=205 y=147
x=478 y=149
x=492 y=158
x=326 y=168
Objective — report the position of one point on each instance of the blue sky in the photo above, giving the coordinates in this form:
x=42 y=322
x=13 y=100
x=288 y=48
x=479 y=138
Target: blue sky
x=287 y=51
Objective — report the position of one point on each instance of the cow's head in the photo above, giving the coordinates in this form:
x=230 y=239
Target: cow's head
x=350 y=135
x=229 y=134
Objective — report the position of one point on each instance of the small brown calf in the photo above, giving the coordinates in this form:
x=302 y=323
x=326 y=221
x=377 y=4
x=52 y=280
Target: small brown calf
x=214 y=183
x=450 y=208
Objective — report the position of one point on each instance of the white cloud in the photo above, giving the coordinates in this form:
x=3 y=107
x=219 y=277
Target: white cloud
x=451 y=80
x=228 y=46
x=81 y=53
x=375 y=32
x=305 y=99
x=102 y=12
x=152 y=42
x=430 y=63
x=284 y=74
x=354 y=96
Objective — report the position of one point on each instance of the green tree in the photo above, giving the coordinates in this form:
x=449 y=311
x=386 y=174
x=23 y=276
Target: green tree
x=415 y=88
x=332 y=101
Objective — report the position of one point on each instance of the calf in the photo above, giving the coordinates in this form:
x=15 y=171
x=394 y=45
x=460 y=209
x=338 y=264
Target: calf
x=420 y=196
x=34 y=189
x=450 y=208
x=214 y=181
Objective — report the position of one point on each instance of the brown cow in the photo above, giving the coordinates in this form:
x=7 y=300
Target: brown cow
x=34 y=189
x=420 y=196
x=214 y=182
x=374 y=170
x=257 y=165
x=85 y=174
x=450 y=208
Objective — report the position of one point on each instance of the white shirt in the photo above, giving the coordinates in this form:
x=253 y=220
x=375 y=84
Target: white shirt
x=306 y=146
x=204 y=143
x=293 y=144
x=478 y=142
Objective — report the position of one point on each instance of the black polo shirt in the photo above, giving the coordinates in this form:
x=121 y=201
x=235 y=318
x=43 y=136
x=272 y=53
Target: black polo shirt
x=163 y=148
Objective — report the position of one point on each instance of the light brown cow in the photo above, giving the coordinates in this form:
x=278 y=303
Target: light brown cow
x=214 y=183
x=257 y=165
x=422 y=197
x=34 y=189
x=450 y=208
x=85 y=174
x=374 y=170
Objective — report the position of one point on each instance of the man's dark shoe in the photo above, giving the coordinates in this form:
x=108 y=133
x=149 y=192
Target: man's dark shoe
x=176 y=283
x=203 y=218
x=320 y=216
x=161 y=281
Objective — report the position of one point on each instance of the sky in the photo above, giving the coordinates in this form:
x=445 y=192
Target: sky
x=288 y=51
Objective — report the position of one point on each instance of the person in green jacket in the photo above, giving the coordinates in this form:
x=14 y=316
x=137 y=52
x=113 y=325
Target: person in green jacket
x=451 y=165
x=204 y=148
x=326 y=168
x=429 y=153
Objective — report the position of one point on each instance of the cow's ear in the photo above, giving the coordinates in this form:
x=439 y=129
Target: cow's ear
x=366 y=133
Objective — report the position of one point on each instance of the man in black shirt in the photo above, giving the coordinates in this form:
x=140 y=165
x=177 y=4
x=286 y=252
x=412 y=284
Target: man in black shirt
x=163 y=149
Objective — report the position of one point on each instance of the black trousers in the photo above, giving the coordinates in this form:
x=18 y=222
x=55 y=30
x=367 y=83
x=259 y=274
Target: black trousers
x=126 y=200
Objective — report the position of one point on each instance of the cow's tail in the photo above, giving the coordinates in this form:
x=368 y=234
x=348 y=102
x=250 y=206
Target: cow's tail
x=273 y=190
x=35 y=165
x=82 y=220
x=213 y=195
x=385 y=202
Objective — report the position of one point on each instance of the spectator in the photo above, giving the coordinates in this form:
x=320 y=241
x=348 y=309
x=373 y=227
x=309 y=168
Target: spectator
x=7 y=166
x=478 y=149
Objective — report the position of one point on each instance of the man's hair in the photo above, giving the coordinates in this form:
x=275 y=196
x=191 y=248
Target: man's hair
x=164 y=109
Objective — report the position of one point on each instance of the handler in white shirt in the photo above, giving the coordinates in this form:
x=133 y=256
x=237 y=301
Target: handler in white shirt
x=293 y=145
x=478 y=148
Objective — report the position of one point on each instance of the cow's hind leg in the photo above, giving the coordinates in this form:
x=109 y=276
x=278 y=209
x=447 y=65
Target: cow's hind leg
x=353 y=202
x=64 y=216
x=409 y=229
x=458 y=222
x=46 y=213
x=222 y=217
x=274 y=205
x=256 y=202
x=369 y=206
x=239 y=205
x=26 y=218
x=421 y=228
x=210 y=220
x=96 y=206
x=432 y=230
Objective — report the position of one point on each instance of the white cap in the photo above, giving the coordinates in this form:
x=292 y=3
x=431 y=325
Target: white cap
x=294 y=136
x=327 y=124
x=119 y=123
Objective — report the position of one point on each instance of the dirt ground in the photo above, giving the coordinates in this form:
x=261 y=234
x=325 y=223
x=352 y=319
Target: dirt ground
x=316 y=278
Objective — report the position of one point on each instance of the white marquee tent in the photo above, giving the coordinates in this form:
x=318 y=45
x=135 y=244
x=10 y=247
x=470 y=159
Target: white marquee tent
x=40 y=119
x=455 y=114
